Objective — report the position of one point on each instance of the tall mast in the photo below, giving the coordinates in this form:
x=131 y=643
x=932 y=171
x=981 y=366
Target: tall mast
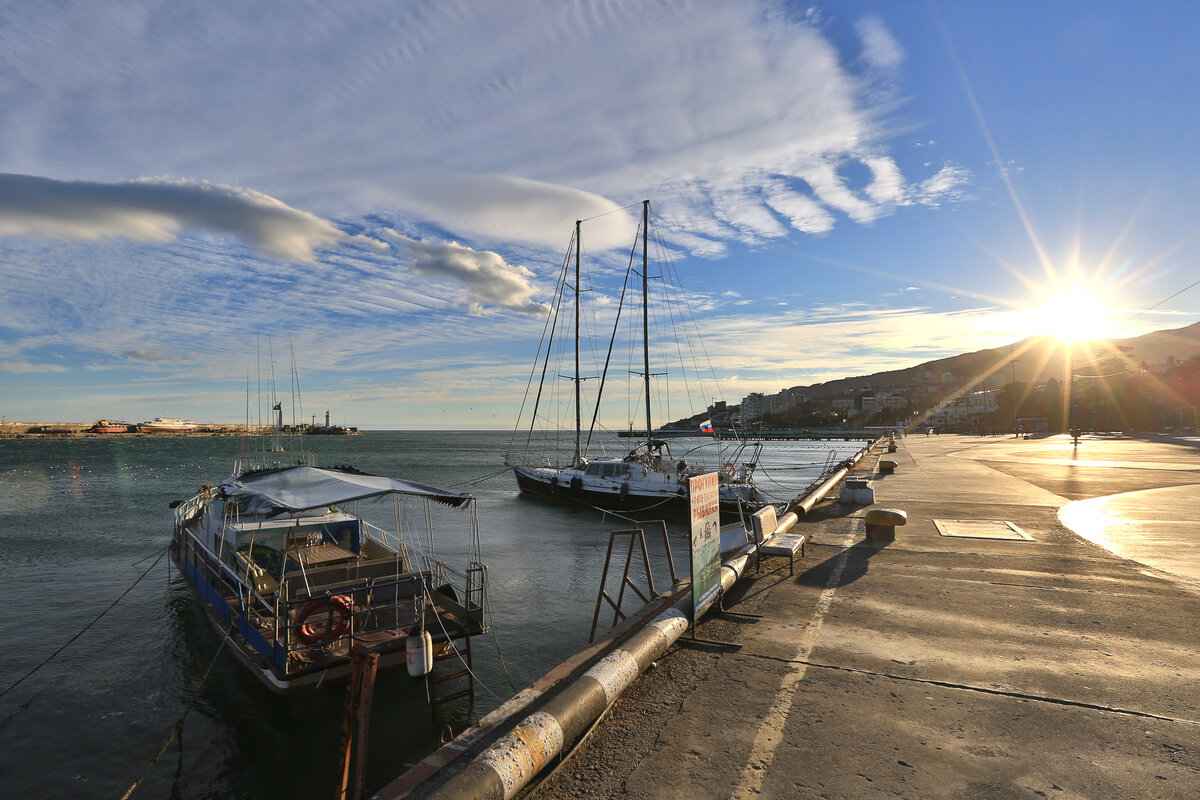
x=646 y=320
x=578 y=420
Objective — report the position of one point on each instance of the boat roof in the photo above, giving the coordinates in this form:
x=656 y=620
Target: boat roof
x=300 y=488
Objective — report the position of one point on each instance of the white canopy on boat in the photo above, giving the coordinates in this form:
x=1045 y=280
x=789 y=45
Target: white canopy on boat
x=301 y=488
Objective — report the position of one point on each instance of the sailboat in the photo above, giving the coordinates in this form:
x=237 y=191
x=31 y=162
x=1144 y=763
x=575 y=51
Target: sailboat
x=648 y=478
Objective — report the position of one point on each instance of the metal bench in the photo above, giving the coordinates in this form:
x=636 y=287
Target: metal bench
x=774 y=543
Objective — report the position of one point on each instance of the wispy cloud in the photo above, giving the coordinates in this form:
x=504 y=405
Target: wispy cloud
x=556 y=107
x=468 y=136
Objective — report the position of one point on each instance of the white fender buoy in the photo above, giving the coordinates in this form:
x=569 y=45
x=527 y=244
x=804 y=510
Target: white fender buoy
x=418 y=650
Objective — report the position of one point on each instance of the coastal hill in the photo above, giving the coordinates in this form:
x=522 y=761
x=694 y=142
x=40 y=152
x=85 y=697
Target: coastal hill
x=1037 y=359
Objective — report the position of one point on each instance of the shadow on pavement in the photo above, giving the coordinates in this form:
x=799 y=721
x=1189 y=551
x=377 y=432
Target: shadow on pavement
x=857 y=562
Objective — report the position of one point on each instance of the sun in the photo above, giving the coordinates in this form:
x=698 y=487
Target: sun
x=1073 y=314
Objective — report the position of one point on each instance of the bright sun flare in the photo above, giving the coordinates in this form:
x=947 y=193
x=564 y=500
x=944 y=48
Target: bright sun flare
x=1074 y=314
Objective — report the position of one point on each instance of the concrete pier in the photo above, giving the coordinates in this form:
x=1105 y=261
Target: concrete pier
x=989 y=651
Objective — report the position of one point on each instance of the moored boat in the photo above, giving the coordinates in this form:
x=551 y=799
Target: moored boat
x=286 y=566
x=167 y=425
x=108 y=426
x=648 y=477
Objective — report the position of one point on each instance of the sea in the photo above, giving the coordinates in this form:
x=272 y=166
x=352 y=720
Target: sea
x=104 y=653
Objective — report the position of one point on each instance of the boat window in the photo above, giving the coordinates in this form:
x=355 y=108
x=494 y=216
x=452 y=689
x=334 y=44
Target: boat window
x=594 y=469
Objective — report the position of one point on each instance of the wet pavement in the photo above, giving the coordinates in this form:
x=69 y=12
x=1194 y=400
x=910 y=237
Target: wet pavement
x=1062 y=663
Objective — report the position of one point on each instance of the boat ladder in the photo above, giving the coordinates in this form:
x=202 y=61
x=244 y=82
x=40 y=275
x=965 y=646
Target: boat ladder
x=435 y=682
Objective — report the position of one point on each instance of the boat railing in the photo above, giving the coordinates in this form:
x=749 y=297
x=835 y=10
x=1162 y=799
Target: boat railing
x=468 y=584
x=370 y=610
x=248 y=461
x=296 y=624
x=190 y=508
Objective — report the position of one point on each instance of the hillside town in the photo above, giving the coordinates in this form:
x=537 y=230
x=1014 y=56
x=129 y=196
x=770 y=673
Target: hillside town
x=1107 y=397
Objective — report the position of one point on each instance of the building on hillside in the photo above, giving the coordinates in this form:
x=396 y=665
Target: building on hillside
x=983 y=403
x=783 y=401
x=754 y=406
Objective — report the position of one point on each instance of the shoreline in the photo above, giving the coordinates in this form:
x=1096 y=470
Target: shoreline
x=81 y=430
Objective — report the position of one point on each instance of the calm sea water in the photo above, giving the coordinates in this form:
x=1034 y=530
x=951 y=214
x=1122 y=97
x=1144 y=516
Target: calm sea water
x=82 y=519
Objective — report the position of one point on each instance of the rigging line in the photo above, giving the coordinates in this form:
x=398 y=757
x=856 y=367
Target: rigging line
x=496 y=641
x=612 y=339
x=457 y=652
x=477 y=481
x=675 y=319
x=689 y=312
x=175 y=731
x=297 y=399
x=111 y=605
x=548 y=330
x=615 y=210
x=1160 y=302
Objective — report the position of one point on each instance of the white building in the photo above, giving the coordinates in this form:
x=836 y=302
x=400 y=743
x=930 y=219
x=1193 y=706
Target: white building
x=754 y=406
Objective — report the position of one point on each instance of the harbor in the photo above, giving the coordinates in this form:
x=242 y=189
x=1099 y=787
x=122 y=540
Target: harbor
x=622 y=401
x=1031 y=625
x=113 y=429
x=82 y=522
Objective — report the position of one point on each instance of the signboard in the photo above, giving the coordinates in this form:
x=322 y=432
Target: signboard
x=704 y=494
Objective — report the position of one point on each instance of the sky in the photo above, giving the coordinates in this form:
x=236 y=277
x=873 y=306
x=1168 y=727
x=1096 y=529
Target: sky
x=198 y=200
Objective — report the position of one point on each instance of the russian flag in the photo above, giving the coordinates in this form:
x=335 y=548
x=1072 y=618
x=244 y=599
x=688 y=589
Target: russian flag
x=706 y=426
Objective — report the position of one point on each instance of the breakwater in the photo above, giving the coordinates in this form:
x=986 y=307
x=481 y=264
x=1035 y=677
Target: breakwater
x=61 y=430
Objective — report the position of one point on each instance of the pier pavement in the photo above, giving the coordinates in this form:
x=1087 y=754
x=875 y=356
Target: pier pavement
x=1062 y=665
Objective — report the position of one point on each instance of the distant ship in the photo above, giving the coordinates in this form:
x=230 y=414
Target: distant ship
x=107 y=426
x=167 y=425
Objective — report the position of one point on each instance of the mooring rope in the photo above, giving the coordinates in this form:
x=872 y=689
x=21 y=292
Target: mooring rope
x=67 y=644
x=178 y=727
x=458 y=653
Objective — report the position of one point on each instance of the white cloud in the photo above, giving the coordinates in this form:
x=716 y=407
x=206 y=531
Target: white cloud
x=489 y=280
x=947 y=185
x=880 y=49
x=154 y=210
x=489 y=122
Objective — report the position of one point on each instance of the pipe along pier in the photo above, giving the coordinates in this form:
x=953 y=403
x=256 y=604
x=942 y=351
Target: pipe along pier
x=567 y=711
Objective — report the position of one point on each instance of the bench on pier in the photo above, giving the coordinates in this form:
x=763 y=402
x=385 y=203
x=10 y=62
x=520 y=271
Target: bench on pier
x=888 y=465
x=882 y=522
x=774 y=543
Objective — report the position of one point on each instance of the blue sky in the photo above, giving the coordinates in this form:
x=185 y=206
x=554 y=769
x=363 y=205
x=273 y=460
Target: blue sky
x=386 y=189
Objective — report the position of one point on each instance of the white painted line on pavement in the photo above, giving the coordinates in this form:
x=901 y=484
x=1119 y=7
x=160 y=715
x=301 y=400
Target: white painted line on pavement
x=762 y=752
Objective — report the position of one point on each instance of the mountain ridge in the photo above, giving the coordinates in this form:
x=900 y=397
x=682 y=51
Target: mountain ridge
x=1037 y=359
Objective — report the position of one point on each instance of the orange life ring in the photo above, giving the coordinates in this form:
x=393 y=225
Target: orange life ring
x=730 y=469
x=341 y=605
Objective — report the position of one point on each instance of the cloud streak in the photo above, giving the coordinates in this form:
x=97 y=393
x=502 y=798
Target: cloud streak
x=154 y=210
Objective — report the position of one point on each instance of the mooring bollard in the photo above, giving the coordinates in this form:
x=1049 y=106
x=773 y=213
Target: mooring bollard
x=888 y=465
x=882 y=522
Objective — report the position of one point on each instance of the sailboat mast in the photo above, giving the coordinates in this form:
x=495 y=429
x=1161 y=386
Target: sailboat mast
x=578 y=419
x=646 y=319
